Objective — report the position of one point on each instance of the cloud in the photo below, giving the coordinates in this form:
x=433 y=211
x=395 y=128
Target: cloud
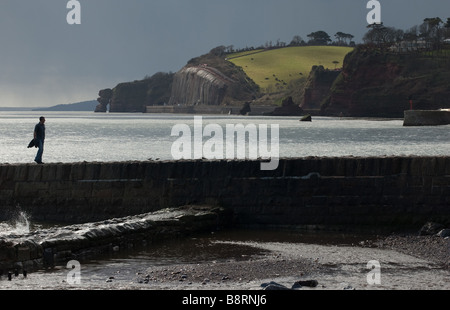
x=44 y=61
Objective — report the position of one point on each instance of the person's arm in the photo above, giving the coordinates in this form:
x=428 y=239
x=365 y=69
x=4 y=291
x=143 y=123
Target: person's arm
x=34 y=133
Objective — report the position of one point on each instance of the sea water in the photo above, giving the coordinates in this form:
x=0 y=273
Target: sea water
x=106 y=137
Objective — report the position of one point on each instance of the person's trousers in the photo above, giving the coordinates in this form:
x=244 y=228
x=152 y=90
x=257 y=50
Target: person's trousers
x=40 y=151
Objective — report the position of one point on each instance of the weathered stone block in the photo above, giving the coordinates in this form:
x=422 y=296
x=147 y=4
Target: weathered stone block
x=63 y=172
x=21 y=172
x=23 y=253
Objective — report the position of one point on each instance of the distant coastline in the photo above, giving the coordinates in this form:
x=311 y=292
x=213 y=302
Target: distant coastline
x=78 y=106
x=6 y=109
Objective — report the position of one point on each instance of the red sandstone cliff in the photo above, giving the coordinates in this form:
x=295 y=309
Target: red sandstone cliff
x=317 y=87
x=376 y=83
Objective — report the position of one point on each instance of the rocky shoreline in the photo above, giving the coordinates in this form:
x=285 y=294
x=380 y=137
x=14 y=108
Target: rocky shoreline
x=432 y=248
x=414 y=261
x=280 y=271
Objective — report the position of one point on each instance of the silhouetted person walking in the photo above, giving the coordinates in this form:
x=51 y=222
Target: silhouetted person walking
x=39 y=136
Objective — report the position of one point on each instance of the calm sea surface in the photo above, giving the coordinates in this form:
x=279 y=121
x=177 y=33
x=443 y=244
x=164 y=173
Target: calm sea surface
x=87 y=136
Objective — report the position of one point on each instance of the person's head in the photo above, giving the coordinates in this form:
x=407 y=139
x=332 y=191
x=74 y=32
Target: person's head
x=42 y=119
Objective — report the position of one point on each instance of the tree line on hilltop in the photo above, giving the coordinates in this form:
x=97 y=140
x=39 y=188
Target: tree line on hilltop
x=433 y=32
x=315 y=38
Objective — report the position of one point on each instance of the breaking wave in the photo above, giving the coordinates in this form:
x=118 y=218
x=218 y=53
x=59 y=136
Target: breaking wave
x=19 y=224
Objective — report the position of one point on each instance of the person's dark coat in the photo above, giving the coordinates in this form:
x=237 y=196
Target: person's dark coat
x=33 y=143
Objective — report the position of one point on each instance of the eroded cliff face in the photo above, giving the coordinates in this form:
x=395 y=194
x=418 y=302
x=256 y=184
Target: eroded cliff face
x=135 y=96
x=317 y=87
x=212 y=80
x=104 y=99
x=375 y=83
x=206 y=80
x=199 y=85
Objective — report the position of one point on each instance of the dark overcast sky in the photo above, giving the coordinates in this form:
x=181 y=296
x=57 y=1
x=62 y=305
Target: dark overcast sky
x=44 y=61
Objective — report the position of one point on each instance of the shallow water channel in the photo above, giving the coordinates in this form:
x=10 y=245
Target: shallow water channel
x=122 y=266
x=342 y=259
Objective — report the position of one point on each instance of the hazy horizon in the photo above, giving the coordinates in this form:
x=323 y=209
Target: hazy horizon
x=47 y=62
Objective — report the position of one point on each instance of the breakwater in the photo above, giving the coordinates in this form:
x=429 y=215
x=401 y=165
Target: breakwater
x=47 y=248
x=350 y=192
x=427 y=118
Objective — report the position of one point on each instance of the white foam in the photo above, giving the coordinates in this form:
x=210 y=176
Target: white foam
x=19 y=225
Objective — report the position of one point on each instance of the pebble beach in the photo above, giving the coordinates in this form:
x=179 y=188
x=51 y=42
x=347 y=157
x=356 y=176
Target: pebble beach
x=407 y=262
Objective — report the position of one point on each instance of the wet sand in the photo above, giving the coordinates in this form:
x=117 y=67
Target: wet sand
x=406 y=263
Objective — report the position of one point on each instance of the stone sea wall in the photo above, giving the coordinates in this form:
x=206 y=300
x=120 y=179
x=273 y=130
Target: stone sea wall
x=311 y=192
x=59 y=245
x=427 y=118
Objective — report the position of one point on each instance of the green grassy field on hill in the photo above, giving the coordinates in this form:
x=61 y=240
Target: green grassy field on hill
x=274 y=69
